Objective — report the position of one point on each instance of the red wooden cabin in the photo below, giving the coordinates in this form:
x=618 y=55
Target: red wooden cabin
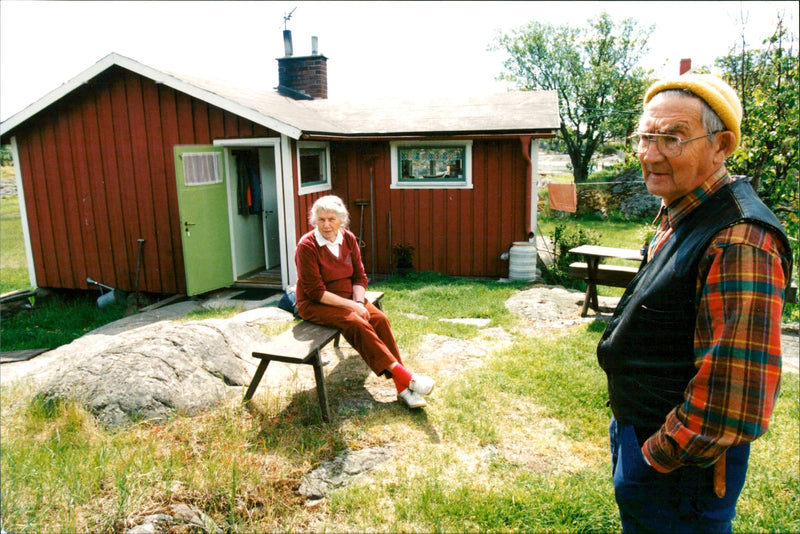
x=218 y=181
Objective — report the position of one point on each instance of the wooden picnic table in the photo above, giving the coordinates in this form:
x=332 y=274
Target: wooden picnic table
x=594 y=272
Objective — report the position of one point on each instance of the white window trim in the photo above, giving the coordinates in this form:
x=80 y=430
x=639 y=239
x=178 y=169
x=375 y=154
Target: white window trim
x=466 y=184
x=316 y=188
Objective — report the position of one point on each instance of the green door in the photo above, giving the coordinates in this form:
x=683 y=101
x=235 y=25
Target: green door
x=203 y=208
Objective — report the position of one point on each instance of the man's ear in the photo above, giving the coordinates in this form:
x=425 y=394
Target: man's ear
x=726 y=144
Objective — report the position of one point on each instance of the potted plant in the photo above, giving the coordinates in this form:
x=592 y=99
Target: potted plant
x=403 y=257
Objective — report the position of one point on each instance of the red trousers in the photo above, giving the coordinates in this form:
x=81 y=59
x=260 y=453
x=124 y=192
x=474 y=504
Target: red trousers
x=372 y=339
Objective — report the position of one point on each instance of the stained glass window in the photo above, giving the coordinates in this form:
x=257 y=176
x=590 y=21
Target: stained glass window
x=431 y=164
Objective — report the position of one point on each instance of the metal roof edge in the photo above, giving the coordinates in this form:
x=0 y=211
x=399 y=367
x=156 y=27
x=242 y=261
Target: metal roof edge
x=536 y=132
x=155 y=75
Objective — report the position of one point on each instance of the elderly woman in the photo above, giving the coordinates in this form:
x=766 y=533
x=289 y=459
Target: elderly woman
x=331 y=284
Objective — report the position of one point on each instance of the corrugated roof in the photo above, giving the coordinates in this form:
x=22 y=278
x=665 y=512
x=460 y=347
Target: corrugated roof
x=513 y=112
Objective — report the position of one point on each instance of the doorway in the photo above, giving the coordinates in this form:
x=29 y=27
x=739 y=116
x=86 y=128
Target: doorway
x=255 y=224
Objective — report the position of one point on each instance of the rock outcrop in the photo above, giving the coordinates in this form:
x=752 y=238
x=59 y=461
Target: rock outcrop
x=157 y=370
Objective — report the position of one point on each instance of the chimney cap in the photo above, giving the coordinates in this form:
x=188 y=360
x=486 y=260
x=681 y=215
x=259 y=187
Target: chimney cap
x=287 y=43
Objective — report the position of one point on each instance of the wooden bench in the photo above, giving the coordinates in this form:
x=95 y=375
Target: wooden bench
x=607 y=275
x=302 y=345
x=594 y=272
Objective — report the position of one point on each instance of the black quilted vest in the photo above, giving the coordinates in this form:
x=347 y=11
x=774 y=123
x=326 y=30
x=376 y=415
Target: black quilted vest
x=647 y=347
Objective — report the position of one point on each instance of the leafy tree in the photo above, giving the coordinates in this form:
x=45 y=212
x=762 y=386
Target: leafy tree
x=5 y=155
x=594 y=70
x=767 y=82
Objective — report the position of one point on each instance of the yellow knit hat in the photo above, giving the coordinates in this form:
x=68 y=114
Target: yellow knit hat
x=716 y=93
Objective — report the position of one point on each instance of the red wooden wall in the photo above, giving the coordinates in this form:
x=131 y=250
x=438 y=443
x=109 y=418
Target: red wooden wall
x=98 y=174
x=456 y=232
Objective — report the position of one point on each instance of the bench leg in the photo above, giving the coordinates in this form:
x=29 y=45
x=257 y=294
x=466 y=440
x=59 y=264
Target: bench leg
x=590 y=299
x=262 y=367
x=336 y=340
x=322 y=394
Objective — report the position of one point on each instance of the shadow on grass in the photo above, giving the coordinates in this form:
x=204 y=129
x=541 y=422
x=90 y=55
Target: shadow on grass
x=299 y=425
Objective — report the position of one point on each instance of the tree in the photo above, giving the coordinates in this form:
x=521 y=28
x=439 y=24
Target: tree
x=595 y=73
x=766 y=80
x=5 y=155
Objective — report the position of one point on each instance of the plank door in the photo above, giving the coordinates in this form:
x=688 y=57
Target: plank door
x=205 y=226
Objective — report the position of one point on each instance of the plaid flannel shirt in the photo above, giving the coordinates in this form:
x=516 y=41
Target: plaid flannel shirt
x=737 y=341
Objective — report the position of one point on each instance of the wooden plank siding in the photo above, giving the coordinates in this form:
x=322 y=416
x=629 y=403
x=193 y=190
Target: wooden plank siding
x=98 y=174
x=460 y=232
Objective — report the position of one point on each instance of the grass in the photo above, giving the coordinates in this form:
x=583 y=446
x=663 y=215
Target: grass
x=13 y=265
x=56 y=321
x=516 y=444
x=613 y=233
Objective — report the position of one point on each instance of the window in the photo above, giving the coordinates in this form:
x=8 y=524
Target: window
x=432 y=164
x=201 y=168
x=314 y=162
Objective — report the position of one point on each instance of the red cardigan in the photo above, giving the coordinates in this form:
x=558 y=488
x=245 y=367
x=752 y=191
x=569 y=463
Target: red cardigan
x=318 y=270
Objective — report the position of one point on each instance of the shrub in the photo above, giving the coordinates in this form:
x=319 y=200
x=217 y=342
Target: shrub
x=565 y=237
x=403 y=255
x=592 y=201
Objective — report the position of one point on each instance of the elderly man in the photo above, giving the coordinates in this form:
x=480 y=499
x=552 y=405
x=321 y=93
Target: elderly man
x=692 y=353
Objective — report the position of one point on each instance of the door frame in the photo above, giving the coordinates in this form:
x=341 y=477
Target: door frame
x=285 y=194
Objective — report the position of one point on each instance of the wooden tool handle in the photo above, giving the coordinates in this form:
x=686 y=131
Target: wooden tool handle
x=719 y=477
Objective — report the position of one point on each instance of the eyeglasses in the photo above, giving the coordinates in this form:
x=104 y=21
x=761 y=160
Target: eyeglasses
x=671 y=146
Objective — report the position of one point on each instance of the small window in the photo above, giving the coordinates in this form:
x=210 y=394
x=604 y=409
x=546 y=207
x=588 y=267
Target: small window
x=201 y=168
x=432 y=164
x=314 y=163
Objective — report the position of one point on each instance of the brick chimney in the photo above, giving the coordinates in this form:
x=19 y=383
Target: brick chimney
x=686 y=66
x=302 y=77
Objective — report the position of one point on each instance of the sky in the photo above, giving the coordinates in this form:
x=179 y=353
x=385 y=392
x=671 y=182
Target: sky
x=411 y=48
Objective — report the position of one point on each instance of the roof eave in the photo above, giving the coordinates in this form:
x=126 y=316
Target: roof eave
x=541 y=133
x=157 y=76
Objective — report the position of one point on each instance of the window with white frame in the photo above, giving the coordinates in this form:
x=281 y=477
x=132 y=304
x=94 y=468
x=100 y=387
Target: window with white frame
x=431 y=164
x=313 y=164
x=201 y=168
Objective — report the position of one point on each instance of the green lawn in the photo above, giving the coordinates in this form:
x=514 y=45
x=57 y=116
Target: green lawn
x=13 y=264
x=515 y=444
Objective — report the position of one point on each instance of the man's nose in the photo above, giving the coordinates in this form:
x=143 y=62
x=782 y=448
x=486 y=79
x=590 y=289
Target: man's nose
x=652 y=153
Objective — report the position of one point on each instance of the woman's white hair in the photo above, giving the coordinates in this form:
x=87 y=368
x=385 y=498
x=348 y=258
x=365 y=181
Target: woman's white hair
x=331 y=204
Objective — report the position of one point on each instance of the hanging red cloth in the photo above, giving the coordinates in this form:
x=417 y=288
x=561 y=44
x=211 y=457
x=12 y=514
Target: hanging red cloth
x=563 y=197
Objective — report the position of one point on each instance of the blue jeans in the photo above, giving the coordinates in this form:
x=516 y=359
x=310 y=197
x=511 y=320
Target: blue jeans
x=680 y=501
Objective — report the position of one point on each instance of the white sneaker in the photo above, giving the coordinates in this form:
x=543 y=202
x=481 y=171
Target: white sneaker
x=423 y=385
x=411 y=399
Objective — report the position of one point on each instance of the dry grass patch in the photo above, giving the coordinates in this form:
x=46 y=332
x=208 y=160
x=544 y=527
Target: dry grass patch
x=535 y=442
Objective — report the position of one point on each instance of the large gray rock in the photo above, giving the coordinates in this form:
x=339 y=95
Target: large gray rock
x=154 y=371
x=632 y=196
x=341 y=470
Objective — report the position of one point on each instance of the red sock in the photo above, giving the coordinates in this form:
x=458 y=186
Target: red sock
x=401 y=377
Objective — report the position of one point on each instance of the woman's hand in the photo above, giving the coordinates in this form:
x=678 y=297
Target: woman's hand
x=358 y=308
x=361 y=310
